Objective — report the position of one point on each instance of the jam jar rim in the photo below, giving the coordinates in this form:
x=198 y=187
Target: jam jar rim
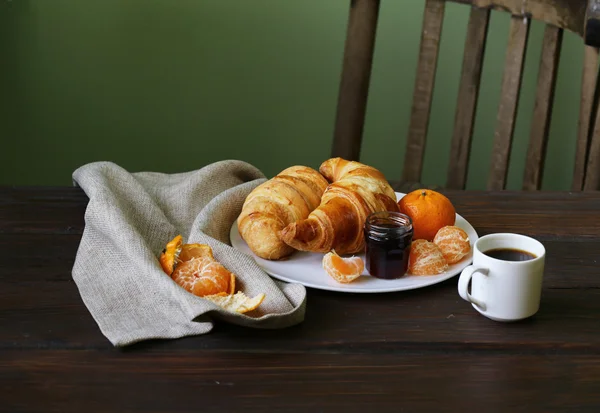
x=379 y=230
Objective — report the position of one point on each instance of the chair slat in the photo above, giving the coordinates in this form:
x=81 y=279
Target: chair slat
x=425 y=79
x=356 y=73
x=592 y=171
x=467 y=97
x=542 y=112
x=509 y=99
x=588 y=85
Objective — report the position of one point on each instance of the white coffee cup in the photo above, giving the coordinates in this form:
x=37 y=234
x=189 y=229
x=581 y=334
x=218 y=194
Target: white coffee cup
x=504 y=290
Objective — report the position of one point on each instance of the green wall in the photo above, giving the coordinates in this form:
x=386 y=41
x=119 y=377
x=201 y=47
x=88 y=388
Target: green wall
x=170 y=86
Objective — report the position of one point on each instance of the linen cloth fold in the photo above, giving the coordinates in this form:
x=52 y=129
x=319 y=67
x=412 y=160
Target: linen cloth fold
x=128 y=221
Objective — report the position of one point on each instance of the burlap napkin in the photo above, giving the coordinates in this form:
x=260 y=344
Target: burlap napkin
x=129 y=219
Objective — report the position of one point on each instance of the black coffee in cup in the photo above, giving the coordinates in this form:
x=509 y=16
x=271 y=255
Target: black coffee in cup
x=510 y=254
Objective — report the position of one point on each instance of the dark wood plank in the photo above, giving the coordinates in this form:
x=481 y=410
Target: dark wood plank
x=54 y=210
x=566 y=14
x=27 y=258
x=542 y=112
x=585 y=124
x=356 y=73
x=65 y=381
x=433 y=18
x=50 y=210
x=468 y=93
x=535 y=213
x=52 y=315
x=509 y=102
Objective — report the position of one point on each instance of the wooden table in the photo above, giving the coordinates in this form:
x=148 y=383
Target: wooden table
x=424 y=350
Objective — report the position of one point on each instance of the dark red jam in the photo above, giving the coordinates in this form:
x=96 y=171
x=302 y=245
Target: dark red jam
x=388 y=236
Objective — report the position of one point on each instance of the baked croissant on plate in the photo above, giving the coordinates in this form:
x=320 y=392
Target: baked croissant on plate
x=288 y=197
x=356 y=191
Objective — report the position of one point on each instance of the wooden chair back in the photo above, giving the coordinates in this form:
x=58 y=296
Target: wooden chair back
x=559 y=15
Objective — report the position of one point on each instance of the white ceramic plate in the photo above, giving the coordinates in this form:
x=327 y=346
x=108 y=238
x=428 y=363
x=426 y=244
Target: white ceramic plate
x=306 y=268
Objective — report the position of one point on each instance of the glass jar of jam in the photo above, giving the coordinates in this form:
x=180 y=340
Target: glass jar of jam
x=388 y=236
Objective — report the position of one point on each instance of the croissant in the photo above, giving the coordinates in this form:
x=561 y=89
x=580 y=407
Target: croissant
x=356 y=191
x=288 y=197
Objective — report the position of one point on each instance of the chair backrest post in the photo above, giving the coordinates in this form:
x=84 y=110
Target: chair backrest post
x=468 y=93
x=356 y=73
x=509 y=101
x=588 y=108
x=431 y=33
x=542 y=112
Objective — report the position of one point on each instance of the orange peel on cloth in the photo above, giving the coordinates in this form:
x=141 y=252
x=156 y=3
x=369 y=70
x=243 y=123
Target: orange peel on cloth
x=238 y=302
x=170 y=254
x=194 y=268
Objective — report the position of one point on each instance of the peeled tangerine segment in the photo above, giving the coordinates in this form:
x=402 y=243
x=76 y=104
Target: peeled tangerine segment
x=426 y=259
x=343 y=270
x=237 y=303
x=194 y=267
x=453 y=242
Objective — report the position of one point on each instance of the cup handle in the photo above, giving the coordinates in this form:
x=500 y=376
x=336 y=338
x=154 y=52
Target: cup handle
x=463 y=284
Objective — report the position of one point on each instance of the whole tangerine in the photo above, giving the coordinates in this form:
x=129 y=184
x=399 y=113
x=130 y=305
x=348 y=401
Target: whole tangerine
x=429 y=211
